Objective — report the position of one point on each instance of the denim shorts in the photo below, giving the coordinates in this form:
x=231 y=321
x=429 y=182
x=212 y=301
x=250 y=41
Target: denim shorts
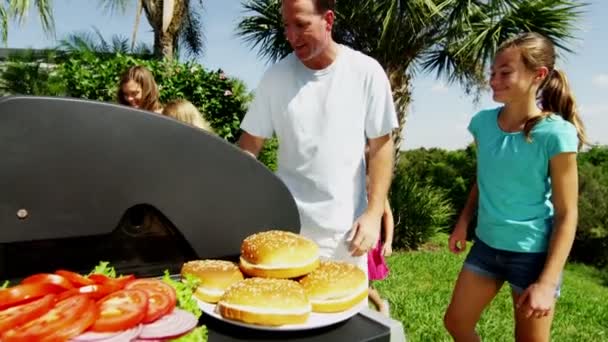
x=519 y=269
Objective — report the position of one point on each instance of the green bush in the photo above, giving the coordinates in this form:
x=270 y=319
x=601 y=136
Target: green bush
x=591 y=243
x=29 y=73
x=451 y=171
x=222 y=100
x=419 y=210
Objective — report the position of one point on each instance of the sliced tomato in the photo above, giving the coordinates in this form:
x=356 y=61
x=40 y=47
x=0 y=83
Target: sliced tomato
x=26 y=292
x=161 y=297
x=119 y=282
x=76 y=279
x=95 y=291
x=21 y=314
x=48 y=278
x=77 y=327
x=121 y=310
x=65 y=313
x=159 y=304
x=154 y=285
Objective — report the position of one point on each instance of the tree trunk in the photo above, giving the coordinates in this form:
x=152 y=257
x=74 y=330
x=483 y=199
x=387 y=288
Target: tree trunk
x=163 y=45
x=164 y=40
x=402 y=96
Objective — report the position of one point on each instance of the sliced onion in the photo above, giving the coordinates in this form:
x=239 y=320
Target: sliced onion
x=176 y=323
x=125 y=335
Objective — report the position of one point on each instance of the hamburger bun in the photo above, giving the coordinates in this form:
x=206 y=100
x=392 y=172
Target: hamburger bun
x=215 y=277
x=278 y=254
x=335 y=286
x=265 y=301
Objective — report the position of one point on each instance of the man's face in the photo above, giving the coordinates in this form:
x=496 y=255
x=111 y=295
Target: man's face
x=307 y=30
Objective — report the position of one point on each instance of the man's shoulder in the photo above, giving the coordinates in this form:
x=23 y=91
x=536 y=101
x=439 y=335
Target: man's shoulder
x=281 y=67
x=361 y=60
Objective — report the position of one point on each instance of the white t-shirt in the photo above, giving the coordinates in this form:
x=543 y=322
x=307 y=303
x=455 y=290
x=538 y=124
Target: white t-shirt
x=322 y=119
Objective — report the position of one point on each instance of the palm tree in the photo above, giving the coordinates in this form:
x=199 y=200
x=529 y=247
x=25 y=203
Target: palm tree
x=174 y=22
x=82 y=42
x=456 y=39
x=19 y=9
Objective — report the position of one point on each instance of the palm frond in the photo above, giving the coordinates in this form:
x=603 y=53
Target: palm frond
x=263 y=30
x=115 y=6
x=4 y=23
x=191 y=32
x=19 y=9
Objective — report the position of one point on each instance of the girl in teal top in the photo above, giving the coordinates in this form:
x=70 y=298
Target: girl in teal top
x=526 y=193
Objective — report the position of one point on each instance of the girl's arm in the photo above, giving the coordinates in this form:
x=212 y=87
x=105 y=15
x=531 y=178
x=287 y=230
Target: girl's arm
x=564 y=182
x=388 y=223
x=540 y=296
x=458 y=239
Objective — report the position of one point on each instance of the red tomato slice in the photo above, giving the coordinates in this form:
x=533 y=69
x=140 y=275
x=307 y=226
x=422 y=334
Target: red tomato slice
x=48 y=278
x=62 y=315
x=76 y=327
x=17 y=315
x=161 y=297
x=119 y=282
x=26 y=292
x=159 y=304
x=76 y=279
x=154 y=285
x=121 y=310
x=95 y=291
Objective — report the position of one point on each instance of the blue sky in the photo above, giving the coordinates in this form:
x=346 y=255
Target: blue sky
x=439 y=113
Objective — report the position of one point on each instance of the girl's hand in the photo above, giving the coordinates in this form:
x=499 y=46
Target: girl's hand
x=387 y=249
x=458 y=239
x=538 y=300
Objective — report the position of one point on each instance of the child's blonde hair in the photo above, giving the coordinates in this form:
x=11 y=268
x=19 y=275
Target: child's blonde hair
x=185 y=111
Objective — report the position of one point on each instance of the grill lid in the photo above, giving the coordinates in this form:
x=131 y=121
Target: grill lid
x=72 y=168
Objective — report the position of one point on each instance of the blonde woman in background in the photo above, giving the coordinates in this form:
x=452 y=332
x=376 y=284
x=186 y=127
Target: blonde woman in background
x=186 y=112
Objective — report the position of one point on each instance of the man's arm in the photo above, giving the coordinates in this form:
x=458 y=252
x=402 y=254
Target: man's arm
x=380 y=172
x=251 y=144
x=366 y=230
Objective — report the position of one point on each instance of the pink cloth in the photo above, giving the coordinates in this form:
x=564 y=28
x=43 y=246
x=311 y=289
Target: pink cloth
x=376 y=264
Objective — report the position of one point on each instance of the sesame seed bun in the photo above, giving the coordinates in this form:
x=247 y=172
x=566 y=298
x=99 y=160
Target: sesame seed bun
x=265 y=301
x=215 y=277
x=278 y=254
x=335 y=286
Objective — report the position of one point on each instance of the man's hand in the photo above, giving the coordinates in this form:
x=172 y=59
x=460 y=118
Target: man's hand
x=365 y=233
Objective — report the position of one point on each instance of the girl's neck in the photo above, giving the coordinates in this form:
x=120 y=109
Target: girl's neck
x=514 y=115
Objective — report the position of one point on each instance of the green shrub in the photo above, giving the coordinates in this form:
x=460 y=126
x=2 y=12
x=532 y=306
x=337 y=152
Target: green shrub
x=419 y=210
x=222 y=100
x=29 y=73
x=451 y=171
x=591 y=243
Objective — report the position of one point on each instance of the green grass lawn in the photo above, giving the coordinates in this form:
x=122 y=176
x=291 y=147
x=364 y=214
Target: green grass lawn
x=420 y=286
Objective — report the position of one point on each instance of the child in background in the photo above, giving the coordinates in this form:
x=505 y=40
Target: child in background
x=138 y=89
x=525 y=195
x=376 y=264
x=186 y=112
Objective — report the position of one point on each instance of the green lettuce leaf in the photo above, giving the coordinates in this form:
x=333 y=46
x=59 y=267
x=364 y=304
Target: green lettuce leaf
x=104 y=268
x=184 y=290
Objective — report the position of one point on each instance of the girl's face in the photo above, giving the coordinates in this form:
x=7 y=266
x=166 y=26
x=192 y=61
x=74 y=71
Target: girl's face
x=132 y=93
x=511 y=80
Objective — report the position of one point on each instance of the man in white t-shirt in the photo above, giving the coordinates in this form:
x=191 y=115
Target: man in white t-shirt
x=324 y=102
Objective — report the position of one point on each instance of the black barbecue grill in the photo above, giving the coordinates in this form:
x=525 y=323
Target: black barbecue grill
x=83 y=182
